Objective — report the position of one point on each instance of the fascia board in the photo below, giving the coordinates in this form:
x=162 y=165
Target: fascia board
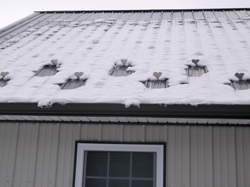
x=112 y=109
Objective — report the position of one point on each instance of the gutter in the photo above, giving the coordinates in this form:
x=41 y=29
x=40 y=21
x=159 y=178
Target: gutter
x=144 y=110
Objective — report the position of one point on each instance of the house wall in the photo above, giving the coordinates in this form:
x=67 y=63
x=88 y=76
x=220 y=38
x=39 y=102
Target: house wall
x=42 y=155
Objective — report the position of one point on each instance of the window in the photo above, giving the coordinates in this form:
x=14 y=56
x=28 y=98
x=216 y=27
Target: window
x=119 y=165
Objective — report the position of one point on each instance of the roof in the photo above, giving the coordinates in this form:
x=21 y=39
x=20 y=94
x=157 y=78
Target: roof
x=149 y=41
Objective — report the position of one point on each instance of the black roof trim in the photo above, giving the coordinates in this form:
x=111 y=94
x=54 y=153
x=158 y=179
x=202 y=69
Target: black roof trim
x=144 y=110
x=128 y=123
x=140 y=10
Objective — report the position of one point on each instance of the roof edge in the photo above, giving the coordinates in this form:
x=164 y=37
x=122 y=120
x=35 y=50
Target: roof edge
x=144 y=110
x=139 y=10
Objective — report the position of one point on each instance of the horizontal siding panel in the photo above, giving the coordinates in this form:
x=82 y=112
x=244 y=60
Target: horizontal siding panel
x=33 y=154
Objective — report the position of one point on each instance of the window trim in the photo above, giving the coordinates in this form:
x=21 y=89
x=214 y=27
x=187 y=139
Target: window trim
x=158 y=148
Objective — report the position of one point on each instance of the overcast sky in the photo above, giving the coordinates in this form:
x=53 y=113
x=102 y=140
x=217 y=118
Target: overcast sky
x=13 y=10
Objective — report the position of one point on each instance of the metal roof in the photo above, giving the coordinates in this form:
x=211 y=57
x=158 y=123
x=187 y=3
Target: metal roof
x=3 y=83
x=119 y=71
x=47 y=70
x=196 y=71
x=160 y=40
x=54 y=18
x=240 y=85
x=155 y=84
x=73 y=83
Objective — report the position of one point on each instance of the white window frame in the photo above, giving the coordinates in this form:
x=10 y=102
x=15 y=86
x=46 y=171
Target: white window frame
x=156 y=148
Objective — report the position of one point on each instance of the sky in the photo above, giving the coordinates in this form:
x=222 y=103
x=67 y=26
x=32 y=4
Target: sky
x=13 y=10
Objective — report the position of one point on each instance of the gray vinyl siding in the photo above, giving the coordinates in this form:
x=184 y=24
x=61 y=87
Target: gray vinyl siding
x=33 y=154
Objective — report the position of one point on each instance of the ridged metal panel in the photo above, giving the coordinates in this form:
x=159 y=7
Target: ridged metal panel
x=146 y=16
x=82 y=17
x=18 y=26
x=177 y=15
x=240 y=85
x=198 y=15
x=155 y=84
x=120 y=71
x=73 y=83
x=16 y=31
x=167 y=16
x=125 y=16
x=156 y=16
x=15 y=24
x=239 y=18
x=48 y=70
x=136 y=16
x=3 y=83
x=188 y=16
x=196 y=71
x=33 y=154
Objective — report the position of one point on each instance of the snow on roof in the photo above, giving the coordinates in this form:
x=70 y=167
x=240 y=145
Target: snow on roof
x=149 y=41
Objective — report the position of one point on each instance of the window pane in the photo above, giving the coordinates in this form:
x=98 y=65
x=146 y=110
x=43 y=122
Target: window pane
x=96 y=183
x=142 y=165
x=118 y=183
x=142 y=183
x=97 y=163
x=119 y=164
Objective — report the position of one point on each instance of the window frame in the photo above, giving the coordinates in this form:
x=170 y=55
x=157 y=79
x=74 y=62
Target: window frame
x=81 y=147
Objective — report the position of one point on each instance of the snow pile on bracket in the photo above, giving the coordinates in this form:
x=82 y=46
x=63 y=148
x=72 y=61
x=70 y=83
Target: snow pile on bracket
x=151 y=42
